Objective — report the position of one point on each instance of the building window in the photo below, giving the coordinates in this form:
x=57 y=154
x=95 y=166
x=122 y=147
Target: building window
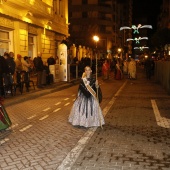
x=70 y=14
x=84 y=2
x=32 y=46
x=84 y=15
x=4 y=42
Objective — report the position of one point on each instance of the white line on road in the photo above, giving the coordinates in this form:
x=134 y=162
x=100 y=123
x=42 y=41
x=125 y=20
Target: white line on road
x=66 y=98
x=4 y=140
x=117 y=93
x=161 y=121
x=44 y=117
x=25 y=128
x=31 y=116
x=48 y=108
x=58 y=103
x=14 y=125
x=67 y=104
x=56 y=110
x=72 y=156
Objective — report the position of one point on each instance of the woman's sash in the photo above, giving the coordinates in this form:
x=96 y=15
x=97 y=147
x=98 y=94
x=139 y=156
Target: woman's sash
x=89 y=88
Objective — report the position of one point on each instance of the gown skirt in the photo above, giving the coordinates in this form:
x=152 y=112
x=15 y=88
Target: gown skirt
x=86 y=112
x=5 y=121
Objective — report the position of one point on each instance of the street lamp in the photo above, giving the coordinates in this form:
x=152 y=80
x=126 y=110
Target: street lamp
x=96 y=39
x=119 y=52
x=146 y=56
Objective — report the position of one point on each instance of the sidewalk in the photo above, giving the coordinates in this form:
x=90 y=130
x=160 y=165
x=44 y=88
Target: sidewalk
x=32 y=94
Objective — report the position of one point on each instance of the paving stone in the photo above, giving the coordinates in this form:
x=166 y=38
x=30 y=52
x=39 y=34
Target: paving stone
x=130 y=140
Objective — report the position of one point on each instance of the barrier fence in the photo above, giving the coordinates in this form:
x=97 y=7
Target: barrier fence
x=162 y=74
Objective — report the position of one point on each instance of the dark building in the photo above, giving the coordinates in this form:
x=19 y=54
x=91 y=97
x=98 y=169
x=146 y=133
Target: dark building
x=102 y=18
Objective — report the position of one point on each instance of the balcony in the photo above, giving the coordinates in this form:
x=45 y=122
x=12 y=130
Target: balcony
x=37 y=7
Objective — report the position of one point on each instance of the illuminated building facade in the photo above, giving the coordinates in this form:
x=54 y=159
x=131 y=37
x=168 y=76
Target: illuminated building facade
x=31 y=26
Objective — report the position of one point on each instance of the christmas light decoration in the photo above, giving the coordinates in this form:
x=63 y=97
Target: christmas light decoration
x=135 y=28
x=141 y=48
x=137 y=39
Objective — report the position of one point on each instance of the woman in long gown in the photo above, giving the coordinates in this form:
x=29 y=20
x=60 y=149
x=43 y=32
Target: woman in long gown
x=118 y=75
x=86 y=110
x=5 y=121
x=105 y=70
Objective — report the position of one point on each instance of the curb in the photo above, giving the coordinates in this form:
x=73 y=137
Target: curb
x=37 y=93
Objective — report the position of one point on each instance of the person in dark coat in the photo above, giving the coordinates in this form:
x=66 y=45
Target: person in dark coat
x=38 y=63
x=148 y=68
x=51 y=61
x=3 y=70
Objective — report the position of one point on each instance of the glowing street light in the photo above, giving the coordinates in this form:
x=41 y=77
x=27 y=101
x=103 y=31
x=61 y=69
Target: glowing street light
x=96 y=39
x=119 y=50
x=146 y=56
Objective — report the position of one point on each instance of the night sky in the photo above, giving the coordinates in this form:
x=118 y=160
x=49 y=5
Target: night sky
x=145 y=12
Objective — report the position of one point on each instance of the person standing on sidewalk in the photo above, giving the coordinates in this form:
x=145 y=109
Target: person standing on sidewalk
x=38 y=63
x=19 y=69
x=86 y=110
x=149 y=67
x=26 y=67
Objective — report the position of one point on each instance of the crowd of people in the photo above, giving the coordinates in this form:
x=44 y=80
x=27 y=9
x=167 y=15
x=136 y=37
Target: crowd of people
x=86 y=110
x=18 y=72
x=119 y=68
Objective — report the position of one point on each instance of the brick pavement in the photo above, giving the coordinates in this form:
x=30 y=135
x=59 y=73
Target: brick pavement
x=131 y=138
x=41 y=137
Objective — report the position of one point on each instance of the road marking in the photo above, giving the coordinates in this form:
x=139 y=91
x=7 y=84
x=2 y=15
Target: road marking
x=48 y=108
x=57 y=110
x=25 y=128
x=66 y=98
x=117 y=93
x=58 y=103
x=31 y=116
x=4 y=140
x=72 y=156
x=13 y=126
x=44 y=117
x=66 y=104
x=161 y=121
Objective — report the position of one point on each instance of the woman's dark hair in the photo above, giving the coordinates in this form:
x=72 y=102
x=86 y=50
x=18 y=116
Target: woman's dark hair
x=25 y=57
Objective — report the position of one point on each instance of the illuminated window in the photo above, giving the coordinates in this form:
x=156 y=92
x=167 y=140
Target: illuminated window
x=4 y=42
